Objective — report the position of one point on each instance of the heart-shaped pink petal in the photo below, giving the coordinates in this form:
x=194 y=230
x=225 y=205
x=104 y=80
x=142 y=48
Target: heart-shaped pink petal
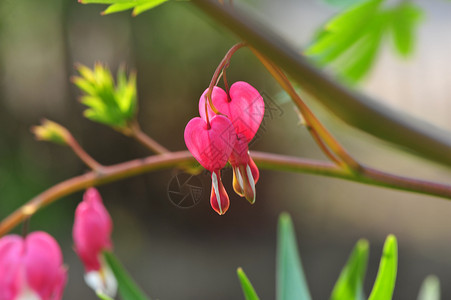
x=210 y=146
x=245 y=109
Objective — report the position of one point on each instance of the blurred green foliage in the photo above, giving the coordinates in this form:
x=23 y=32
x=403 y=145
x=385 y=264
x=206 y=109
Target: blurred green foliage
x=350 y=41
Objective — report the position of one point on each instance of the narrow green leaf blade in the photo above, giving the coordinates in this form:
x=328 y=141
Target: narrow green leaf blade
x=128 y=289
x=430 y=289
x=290 y=279
x=349 y=285
x=246 y=285
x=386 y=276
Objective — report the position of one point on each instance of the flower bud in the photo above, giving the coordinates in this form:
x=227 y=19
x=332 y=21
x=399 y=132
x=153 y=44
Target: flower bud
x=51 y=132
x=31 y=268
x=92 y=235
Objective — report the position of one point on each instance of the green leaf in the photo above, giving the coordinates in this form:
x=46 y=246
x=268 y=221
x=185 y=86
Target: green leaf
x=342 y=35
x=118 y=7
x=146 y=6
x=246 y=285
x=430 y=289
x=349 y=285
x=139 y=6
x=406 y=18
x=108 y=103
x=386 y=276
x=128 y=289
x=290 y=279
x=357 y=61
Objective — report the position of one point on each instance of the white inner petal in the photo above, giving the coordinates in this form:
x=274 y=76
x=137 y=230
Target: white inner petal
x=251 y=179
x=214 y=180
x=240 y=178
x=102 y=281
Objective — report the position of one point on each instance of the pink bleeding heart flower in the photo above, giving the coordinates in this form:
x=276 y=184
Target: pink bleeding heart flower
x=211 y=145
x=31 y=268
x=245 y=108
x=92 y=235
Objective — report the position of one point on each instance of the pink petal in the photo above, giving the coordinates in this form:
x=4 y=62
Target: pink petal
x=210 y=146
x=246 y=108
x=43 y=262
x=11 y=251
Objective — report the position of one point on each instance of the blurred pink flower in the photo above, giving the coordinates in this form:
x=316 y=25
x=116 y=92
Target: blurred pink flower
x=31 y=268
x=92 y=235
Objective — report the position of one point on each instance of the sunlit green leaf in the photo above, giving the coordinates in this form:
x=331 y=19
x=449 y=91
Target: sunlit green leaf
x=146 y=6
x=406 y=18
x=360 y=57
x=128 y=289
x=386 y=276
x=118 y=7
x=430 y=289
x=290 y=279
x=349 y=42
x=349 y=285
x=246 y=285
x=108 y=103
x=138 y=6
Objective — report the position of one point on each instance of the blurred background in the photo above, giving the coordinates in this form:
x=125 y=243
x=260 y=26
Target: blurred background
x=193 y=253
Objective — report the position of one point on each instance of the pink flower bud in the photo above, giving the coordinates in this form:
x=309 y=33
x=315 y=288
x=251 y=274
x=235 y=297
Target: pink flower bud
x=31 y=268
x=92 y=235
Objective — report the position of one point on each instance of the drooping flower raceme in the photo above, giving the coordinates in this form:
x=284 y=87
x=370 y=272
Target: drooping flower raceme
x=92 y=235
x=31 y=268
x=227 y=139
x=245 y=107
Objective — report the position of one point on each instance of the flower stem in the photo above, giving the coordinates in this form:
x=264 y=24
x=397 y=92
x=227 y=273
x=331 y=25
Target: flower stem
x=145 y=140
x=224 y=62
x=310 y=118
x=181 y=158
x=83 y=155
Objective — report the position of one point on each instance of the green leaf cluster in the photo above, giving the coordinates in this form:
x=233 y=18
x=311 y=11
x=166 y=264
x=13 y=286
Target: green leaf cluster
x=138 y=6
x=350 y=41
x=291 y=282
x=112 y=104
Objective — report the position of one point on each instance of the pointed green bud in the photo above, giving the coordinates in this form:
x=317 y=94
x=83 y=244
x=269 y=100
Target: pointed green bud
x=51 y=132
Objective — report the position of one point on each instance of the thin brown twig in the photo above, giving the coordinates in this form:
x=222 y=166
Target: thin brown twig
x=174 y=159
x=146 y=140
x=83 y=155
